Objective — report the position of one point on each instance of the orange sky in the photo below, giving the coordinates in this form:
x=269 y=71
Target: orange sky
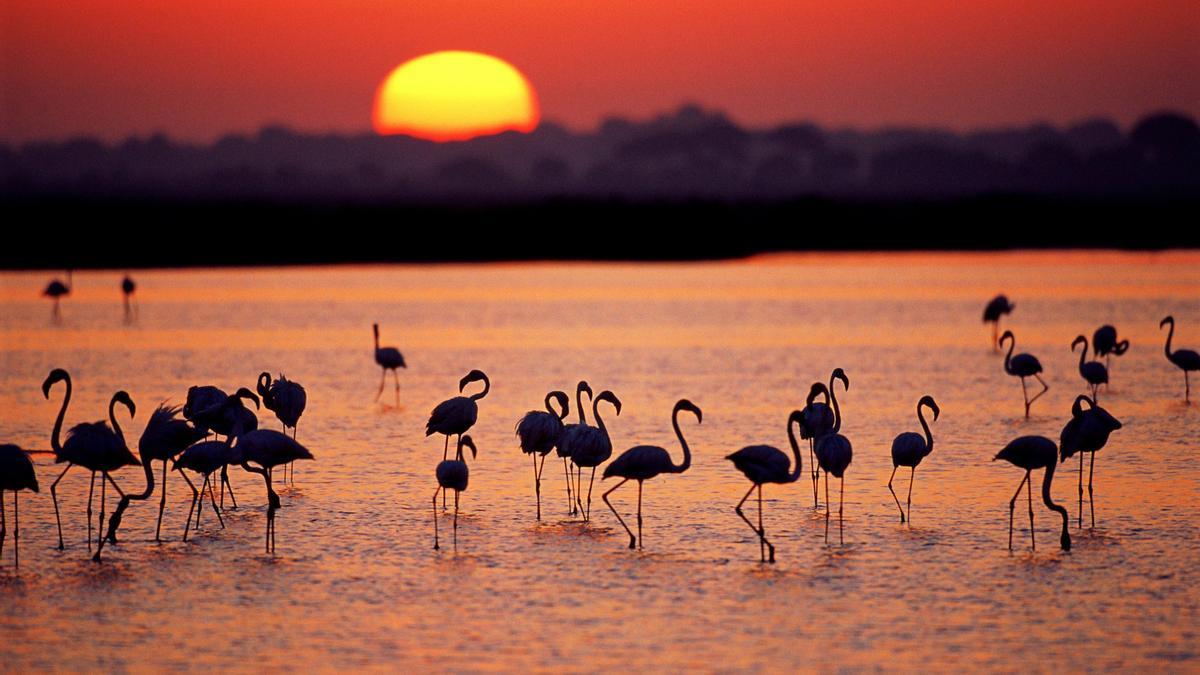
x=199 y=68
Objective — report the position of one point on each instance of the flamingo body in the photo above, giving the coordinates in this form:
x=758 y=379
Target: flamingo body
x=762 y=464
x=1104 y=342
x=16 y=469
x=452 y=416
x=285 y=398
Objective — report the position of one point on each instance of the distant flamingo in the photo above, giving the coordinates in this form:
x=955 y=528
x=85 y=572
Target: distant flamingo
x=1029 y=453
x=591 y=446
x=205 y=458
x=287 y=399
x=1184 y=359
x=1023 y=366
x=643 y=462
x=909 y=448
x=388 y=358
x=1088 y=431
x=817 y=420
x=93 y=445
x=834 y=453
x=998 y=307
x=452 y=474
x=128 y=287
x=539 y=432
x=16 y=474
x=767 y=464
x=564 y=443
x=56 y=290
x=268 y=449
x=1093 y=372
x=1105 y=343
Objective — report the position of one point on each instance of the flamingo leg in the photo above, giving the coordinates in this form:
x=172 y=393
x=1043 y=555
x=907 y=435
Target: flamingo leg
x=54 y=497
x=632 y=539
x=1012 y=505
x=588 y=516
x=1029 y=493
x=567 y=476
x=445 y=451
x=91 y=492
x=912 y=478
x=456 y=493
x=435 y=527
x=537 y=486
x=841 y=511
x=738 y=509
x=396 y=375
x=1045 y=388
x=762 y=533
x=200 y=506
x=641 y=540
x=382 y=381
x=3 y=530
x=579 y=492
x=162 y=505
x=995 y=336
x=1187 y=388
x=195 y=497
x=226 y=484
x=213 y=500
x=100 y=532
x=816 y=476
x=1081 y=490
x=1091 y=496
x=826 y=507
x=1025 y=396
x=16 y=525
x=893 y=477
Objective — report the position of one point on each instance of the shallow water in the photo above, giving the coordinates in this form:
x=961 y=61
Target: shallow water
x=355 y=582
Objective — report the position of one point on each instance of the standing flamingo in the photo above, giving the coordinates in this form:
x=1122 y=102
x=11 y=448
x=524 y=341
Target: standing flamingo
x=388 y=358
x=56 y=290
x=834 y=453
x=205 y=458
x=1088 y=431
x=564 y=443
x=128 y=287
x=998 y=307
x=95 y=446
x=1105 y=343
x=539 y=432
x=458 y=414
x=1023 y=366
x=1184 y=359
x=268 y=449
x=1029 y=453
x=1093 y=372
x=767 y=464
x=817 y=420
x=16 y=474
x=643 y=462
x=591 y=446
x=229 y=418
x=287 y=399
x=452 y=474
x=909 y=448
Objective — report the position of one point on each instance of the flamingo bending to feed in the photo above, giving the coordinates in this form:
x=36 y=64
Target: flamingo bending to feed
x=1088 y=431
x=452 y=474
x=1105 y=343
x=1184 y=359
x=590 y=447
x=205 y=458
x=1029 y=453
x=909 y=448
x=539 y=432
x=767 y=464
x=1023 y=366
x=268 y=449
x=16 y=474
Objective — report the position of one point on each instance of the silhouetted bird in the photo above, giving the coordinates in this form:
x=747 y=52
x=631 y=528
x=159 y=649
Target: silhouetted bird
x=834 y=454
x=452 y=474
x=817 y=420
x=205 y=458
x=458 y=414
x=1029 y=453
x=591 y=446
x=229 y=417
x=767 y=464
x=56 y=290
x=564 y=442
x=1105 y=343
x=998 y=307
x=643 y=462
x=268 y=449
x=1093 y=372
x=388 y=358
x=1023 y=366
x=1184 y=359
x=909 y=448
x=16 y=474
x=1087 y=431
x=287 y=399
x=200 y=399
x=539 y=432
x=128 y=287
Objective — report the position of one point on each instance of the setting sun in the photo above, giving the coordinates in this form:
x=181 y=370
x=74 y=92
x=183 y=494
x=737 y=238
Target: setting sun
x=454 y=96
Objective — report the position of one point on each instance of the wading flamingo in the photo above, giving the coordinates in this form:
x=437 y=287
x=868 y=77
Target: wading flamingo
x=590 y=447
x=564 y=442
x=452 y=474
x=998 y=307
x=1023 y=366
x=834 y=454
x=287 y=399
x=1029 y=453
x=16 y=474
x=128 y=288
x=909 y=448
x=767 y=464
x=1087 y=431
x=388 y=358
x=1184 y=359
x=539 y=432
x=56 y=290
x=1092 y=372
x=1105 y=343
x=268 y=449
x=817 y=420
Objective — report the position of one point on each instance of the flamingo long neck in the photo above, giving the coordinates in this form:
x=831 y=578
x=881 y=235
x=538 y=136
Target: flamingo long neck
x=487 y=386
x=579 y=405
x=796 y=465
x=145 y=494
x=550 y=408
x=687 y=452
x=58 y=422
x=1012 y=344
x=1121 y=347
x=264 y=384
x=1083 y=354
x=596 y=416
x=925 y=426
x=1046 y=481
x=376 y=338
x=837 y=412
x=1170 y=334
x=112 y=418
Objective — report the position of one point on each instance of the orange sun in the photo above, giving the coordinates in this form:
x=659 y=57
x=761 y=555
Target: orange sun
x=454 y=96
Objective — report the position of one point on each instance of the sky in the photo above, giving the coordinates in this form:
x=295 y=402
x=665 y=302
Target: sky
x=198 y=69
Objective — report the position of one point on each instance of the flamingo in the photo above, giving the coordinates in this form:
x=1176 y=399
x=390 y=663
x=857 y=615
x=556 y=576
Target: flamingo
x=202 y=398
x=268 y=449
x=643 y=462
x=1029 y=453
x=1105 y=343
x=909 y=448
x=128 y=287
x=287 y=400
x=56 y=290
x=564 y=442
x=817 y=420
x=204 y=458
x=767 y=464
x=834 y=453
x=1088 y=431
x=539 y=432
x=229 y=418
x=457 y=415
x=1184 y=359
x=1093 y=372
x=998 y=307
x=95 y=446
x=388 y=358
x=591 y=446
x=164 y=438
x=1023 y=366
x=16 y=474
x=452 y=474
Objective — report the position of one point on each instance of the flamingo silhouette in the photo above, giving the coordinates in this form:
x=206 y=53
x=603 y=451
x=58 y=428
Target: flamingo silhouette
x=1029 y=453
x=643 y=462
x=16 y=474
x=767 y=464
x=164 y=438
x=268 y=449
x=128 y=287
x=834 y=453
x=591 y=446
x=569 y=432
x=93 y=445
x=1093 y=372
x=909 y=448
x=204 y=458
x=287 y=399
x=452 y=474
x=388 y=358
x=56 y=290
x=229 y=417
x=817 y=420
x=1105 y=343
x=1023 y=366
x=1087 y=431
x=1184 y=359
x=202 y=398
x=539 y=432
x=998 y=307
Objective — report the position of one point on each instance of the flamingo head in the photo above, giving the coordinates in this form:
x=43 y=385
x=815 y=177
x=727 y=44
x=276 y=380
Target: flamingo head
x=249 y=396
x=582 y=387
x=1079 y=340
x=473 y=376
x=840 y=374
x=687 y=405
x=56 y=375
x=1008 y=335
x=817 y=389
x=123 y=398
x=564 y=403
x=932 y=404
x=264 y=383
x=1168 y=320
x=467 y=442
x=607 y=395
